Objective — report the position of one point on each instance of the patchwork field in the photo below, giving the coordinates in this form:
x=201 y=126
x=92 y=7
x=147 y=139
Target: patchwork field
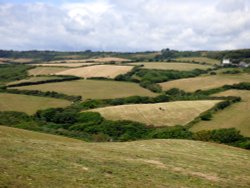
x=237 y=115
x=33 y=79
x=200 y=60
x=172 y=66
x=31 y=159
x=93 y=89
x=205 y=82
x=63 y=64
x=46 y=70
x=159 y=114
x=18 y=60
x=95 y=60
x=107 y=71
x=28 y=104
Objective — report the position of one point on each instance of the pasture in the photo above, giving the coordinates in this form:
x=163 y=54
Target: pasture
x=46 y=70
x=205 y=82
x=159 y=114
x=32 y=159
x=172 y=66
x=93 y=89
x=107 y=71
x=28 y=104
x=237 y=115
x=199 y=60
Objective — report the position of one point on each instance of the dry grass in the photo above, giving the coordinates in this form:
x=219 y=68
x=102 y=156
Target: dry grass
x=28 y=104
x=107 y=71
x=46 y=70
x=63 y=64
x=200 y=60
x=93 y=89
x=160 y=114
x=205 y=82
x=172 y=66
x=237 y=115
x=30 y=159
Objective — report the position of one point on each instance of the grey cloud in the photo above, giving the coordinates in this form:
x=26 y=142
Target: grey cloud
x=126 y=26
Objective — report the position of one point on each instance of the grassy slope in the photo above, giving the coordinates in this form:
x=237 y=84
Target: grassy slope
x=160 y=114
x=237 y=115
x=200 y=59
x=205 y=82
x=95 y=89
x=46 y=70
x=28 y=104
x=30 y=159
x=63 y=64
x=172 y=66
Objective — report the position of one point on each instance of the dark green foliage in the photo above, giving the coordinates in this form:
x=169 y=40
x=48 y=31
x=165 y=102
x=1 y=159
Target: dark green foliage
x=52 y=94
x=227 y=136
x=206 y=116
x=13 y=118
x=10 y=73
x=89 y=117
x=231 y=72
x=60 y=79
x=176 y=132
x=57 y=115
x=242 y=85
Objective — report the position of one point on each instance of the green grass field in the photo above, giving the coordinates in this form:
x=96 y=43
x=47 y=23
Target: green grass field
x=34 y=79
x=205 y=82
x=46 y=70
x=28 y=104
x=159 y=114
x=171 y=66
x=93 y=89
x=237 y=115
x=200 y=60
x=30 y=159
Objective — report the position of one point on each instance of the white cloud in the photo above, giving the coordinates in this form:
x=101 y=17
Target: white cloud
x=126 y=26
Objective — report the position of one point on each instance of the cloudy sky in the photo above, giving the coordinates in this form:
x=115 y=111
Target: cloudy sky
x=124 y=25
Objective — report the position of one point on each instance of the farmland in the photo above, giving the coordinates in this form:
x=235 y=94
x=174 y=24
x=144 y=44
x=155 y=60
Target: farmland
x=94 y=89
x=205 y=82
x=236 y=116
x=200 y=60
x=42 y=160
x=46 y=70
x=159 y=114
x=107 y=71
x=172 y=66
x=63 y=64
x=33 y=79
x=95 y=60
x=28 y=104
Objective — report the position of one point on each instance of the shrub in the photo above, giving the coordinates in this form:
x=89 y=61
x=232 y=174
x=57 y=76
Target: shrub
x=13 y=118
x=89 y=117
x=206 y=116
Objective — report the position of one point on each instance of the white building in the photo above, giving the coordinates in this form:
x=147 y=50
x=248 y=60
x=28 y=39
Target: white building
x=226 y=62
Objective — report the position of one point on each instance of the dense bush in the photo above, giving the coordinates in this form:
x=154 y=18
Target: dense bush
x=10 y=73
x=52 y=94
x=13 y=118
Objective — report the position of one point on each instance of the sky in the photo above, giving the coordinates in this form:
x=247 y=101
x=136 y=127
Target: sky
x=123 y=25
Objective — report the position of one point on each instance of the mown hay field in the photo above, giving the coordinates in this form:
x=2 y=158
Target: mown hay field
x=28 y=104
x=63 y=64
x=237 y=115
x=107 y=71
x=205 y=82
x=31 y=159
x=46 y=70
x=159 y=114
x=93 y=89
x=172 y=66
x=200 y=60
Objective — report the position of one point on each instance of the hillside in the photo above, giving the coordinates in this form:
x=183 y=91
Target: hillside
x=30 y=159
